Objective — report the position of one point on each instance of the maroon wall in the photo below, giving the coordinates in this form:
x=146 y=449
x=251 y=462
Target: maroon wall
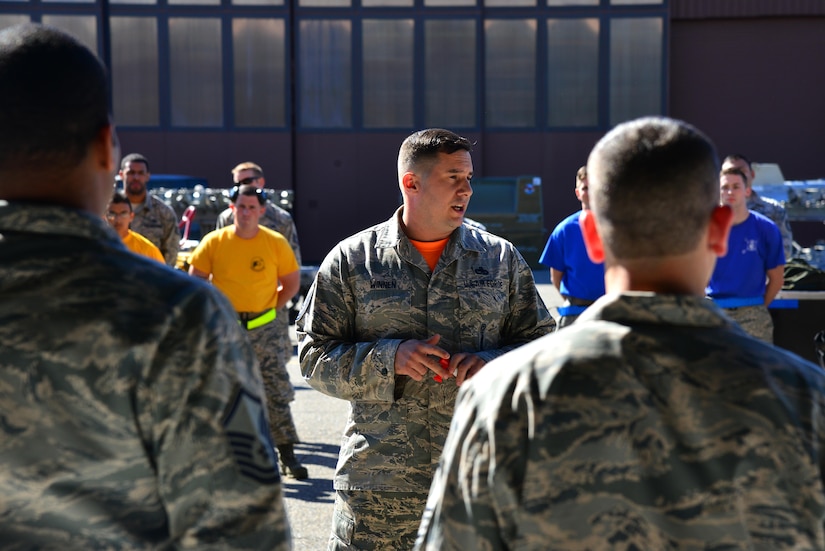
x=755 y=86
x=347 y=182
x=212 y=154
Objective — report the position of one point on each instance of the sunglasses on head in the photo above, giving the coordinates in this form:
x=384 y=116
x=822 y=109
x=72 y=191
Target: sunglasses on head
x=259 y=193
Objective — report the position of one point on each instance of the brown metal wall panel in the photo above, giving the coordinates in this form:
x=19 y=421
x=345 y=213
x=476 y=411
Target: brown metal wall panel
x=715 y=9
x=755 y=87
x=346 y=182
x=212 y=155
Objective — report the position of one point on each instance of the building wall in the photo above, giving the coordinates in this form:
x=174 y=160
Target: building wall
x=755 y=86
x=745 y=71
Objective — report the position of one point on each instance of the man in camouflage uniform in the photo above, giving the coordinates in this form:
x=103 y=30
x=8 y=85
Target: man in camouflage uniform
x=154 y=219
x=276 y=380
x=653 y=422
x=763 y=205
x=132 y=413
x=387 y=307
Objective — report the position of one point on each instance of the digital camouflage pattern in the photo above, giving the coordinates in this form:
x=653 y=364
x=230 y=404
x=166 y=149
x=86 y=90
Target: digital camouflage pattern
x=653 y=422
x=755 y=320
x=157 y=222
x=374 y=290
x=776 y=212
x=378 y=531
x=273 y=345
x=279 y=391
x=131 y=401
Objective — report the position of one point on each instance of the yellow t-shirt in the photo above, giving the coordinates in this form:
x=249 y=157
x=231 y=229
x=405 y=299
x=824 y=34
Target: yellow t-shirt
x=245 y=270
x=140 y=245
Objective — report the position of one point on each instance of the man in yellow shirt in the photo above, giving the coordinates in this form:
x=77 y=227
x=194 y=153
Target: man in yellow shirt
x=119 y=215
x=256 y=269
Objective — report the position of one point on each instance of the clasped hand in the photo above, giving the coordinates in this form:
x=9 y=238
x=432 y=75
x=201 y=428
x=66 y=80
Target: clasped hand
x=417 y=359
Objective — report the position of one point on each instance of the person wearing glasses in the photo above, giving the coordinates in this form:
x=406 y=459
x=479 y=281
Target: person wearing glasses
x=154 y=219
x=119 y=215
x=256 y=269
x=132 y=411
x=276 y=380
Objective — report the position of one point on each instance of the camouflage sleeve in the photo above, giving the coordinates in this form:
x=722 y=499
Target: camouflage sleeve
x=331 y=359
x=477 y=485
x=223 y=219
x=282 y=222
x=291 y=235
x=529 y=318
x=207 y=432
x=171 y=238
x=784 y=226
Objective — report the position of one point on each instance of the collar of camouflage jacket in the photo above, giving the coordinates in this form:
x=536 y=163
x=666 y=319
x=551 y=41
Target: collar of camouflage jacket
x=29 y=217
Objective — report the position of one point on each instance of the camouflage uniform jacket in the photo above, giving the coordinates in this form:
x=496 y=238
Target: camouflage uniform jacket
x=274 y=218
x=653 y=422
x=375 y=290
x=776 y=212
x=157 y=222
x=130 y=417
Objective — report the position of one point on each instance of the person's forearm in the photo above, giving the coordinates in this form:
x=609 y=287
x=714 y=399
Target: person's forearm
x=773 y=287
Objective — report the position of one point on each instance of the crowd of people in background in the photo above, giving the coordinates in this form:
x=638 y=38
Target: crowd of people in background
x=142 y=407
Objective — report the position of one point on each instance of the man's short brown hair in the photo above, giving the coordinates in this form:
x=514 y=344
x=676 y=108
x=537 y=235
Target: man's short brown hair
x=259 y=172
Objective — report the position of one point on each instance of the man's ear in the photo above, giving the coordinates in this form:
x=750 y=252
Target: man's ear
x=590 y=233
x=721 y=220
x=409 y=181
x=107 y=149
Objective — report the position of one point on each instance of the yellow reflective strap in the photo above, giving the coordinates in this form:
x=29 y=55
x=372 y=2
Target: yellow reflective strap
x=262 y=319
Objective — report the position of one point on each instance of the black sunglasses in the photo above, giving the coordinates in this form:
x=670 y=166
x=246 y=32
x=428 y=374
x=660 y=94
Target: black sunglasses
x=247 y=181
x=260 y=193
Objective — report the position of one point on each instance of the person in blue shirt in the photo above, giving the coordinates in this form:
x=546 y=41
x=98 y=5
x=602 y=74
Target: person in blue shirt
x=579 y=280
x=749 y=276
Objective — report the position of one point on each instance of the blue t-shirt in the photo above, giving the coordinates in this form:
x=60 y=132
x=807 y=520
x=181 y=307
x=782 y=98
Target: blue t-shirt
x=754 y=247
x=566 y=253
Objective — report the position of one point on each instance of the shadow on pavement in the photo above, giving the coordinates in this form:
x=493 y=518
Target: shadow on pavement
x=317 y=458
x=316 y=453
x=315 y=490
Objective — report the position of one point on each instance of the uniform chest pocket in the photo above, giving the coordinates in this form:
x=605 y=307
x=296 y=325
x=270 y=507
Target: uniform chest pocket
x=486 y=295
x=382 y=305
x=484 y=308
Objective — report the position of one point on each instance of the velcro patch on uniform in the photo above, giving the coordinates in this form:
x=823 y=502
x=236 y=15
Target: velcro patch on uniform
x=248 y=434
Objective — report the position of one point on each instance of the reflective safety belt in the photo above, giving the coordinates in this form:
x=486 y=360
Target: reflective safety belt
x=261 y=320
x=571 y=310
x=738 y=302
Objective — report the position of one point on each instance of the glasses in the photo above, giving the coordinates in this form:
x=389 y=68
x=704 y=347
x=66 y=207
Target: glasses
x=261 y=194
x=116 y=215
x=247 y=181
